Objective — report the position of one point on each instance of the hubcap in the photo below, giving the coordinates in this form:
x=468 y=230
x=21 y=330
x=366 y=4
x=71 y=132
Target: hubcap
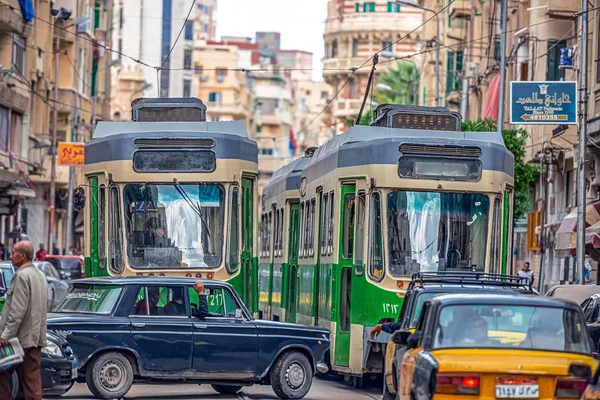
x=295 y=375
x=112 y=375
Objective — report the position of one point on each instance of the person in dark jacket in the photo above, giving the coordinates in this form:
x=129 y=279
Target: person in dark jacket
x=202 y=310
x=388 y=327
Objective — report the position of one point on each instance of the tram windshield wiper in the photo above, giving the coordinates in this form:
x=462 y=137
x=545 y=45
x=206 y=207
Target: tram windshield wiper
x=195 y=207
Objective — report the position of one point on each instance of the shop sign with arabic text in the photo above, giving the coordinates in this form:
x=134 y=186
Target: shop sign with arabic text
x=543 y=103
x=71 y=154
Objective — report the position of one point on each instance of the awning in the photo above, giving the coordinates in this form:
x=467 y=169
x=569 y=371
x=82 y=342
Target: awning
x=566 y=236
x=490 y=101
x=592 y=241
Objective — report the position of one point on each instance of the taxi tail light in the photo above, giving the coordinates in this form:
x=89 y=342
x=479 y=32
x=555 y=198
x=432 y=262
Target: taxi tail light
x=457 y=384
x=570 y=388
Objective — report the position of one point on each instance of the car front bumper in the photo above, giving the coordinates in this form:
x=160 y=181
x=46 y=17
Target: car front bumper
x=58 y=375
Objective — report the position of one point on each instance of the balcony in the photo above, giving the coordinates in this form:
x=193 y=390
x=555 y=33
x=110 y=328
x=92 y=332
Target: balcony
x=234 y=110
x=11 y=19
x=67 y=100
x=561 y=9
x=344 y=108
x=407 y=20
x=15 y=94
x=460 y=9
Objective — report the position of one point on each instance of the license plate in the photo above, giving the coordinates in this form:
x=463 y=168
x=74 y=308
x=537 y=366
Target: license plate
x=517 y=388
x=74 y=370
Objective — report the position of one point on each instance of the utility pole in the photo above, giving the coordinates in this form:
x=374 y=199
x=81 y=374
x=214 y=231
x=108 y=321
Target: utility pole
x=503 y=17
x=583 y=98
x=53 y=149
x=464 y=95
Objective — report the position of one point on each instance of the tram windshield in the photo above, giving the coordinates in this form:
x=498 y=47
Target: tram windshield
x=431 y=231
x=174 y=225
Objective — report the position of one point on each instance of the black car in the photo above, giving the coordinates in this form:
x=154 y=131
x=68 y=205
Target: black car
x=58 y=369
x=426 y=285
x=591 y=312
x=142 y=328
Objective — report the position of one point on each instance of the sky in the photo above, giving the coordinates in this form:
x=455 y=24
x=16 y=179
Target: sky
x=300 y=22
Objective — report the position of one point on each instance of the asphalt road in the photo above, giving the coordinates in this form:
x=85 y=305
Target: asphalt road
x=320 y=390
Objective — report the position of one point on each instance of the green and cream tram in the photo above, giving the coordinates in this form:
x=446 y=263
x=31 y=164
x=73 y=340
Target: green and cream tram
x=346 y=226
x=172 y=195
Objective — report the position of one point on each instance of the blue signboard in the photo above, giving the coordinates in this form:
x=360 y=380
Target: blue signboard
x=543 y=103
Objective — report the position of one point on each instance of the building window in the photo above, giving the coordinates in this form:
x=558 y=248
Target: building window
x=369 y=7
x=258 y=128
x=189 y=30
x=598 y=52
x=357 y=7
x=353 y=89
x=334 y=49
x=187 y=59
x=393 y=7
x=214 y=118
x=204 y=27
x=214 y=97
x=187 y=88
x=354 y=47
x=386 y=45
x=18 y=57
x=97 y=14
x=455 y=61
x=497 y=50
x=569 y=189
x=266 y=152
x=553 y=72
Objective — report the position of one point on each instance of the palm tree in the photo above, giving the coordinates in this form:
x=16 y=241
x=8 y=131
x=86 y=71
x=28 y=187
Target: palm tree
x=399 y=84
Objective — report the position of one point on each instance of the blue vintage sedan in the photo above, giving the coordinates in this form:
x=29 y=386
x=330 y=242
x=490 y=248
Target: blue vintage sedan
x=143 y=328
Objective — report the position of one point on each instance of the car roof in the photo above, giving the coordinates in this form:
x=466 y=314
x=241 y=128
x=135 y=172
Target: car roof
x=147 y=280
x=463 y=287
x=517 y=300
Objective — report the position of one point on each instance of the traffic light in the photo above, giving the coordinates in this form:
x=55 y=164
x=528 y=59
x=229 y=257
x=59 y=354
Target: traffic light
x=79 y=198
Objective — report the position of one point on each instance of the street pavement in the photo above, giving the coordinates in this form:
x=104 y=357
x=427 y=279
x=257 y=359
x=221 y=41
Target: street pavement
x=321 y=390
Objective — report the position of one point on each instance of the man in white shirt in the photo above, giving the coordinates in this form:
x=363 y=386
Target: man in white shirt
x=526 y=273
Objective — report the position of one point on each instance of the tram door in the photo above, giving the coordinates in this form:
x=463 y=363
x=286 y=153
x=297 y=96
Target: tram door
x=343 y=276
x=247 y=256
x=292 y=267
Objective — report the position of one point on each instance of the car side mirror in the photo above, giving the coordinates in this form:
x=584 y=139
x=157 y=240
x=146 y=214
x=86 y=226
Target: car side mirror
x=400 y=338
x=238 y=313
x=413 y=340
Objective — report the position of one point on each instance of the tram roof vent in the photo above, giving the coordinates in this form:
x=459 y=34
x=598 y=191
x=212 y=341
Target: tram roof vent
x=416 y=117
x=185 y=109
x=463 y=151
x=310 y=152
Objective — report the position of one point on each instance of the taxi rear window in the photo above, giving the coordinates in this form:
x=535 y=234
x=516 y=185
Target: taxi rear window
x=511 y=326
x=95 y=299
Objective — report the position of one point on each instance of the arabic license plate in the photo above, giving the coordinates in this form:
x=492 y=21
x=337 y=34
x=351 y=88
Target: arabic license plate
x=517 y=388
x=74 y=370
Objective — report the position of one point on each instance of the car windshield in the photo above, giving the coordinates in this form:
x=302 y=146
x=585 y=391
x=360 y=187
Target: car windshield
x=97 y=299
x=173 y=225
x=8 y=274
x=65 y=264
x=431 y=231
x=510 y=326
x=422 y=298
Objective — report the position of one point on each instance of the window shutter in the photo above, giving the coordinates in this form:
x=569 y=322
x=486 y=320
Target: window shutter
x=534 y=219
x=390 y=6
x=357 y=7
x=450 y=72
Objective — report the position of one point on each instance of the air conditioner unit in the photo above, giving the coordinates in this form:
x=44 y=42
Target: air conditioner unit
x=220 y=78
x=472 y=70
x=203 y=78
x=84 y=27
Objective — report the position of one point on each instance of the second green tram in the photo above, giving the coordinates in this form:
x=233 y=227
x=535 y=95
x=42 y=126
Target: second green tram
x=345 y=227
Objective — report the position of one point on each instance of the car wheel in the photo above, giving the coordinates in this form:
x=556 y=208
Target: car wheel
x=225 y=389
x=109 y=376
x=291 y=376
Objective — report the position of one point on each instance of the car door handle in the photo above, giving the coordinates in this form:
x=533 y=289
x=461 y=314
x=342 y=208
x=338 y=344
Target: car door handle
x=138 y=324
x=197 y=326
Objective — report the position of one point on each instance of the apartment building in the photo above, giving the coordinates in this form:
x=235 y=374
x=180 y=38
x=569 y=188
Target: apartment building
x=354 y=31
x=32 y=39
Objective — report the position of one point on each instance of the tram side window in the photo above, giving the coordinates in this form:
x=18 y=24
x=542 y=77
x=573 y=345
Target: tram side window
x=376 y=238
x=311 y=234
x=359 y=240
x=115 y=238
x=234 y=234
x=301 y=230
x=331 y=220
x=307 y=218
x=496 y=242
x=263 y=233
x=324 y=223
x=281 y=224
x=269 y=232
x=102 y=226
x=348 y=229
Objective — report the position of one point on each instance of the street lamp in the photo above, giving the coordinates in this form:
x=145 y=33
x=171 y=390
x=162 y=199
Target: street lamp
x=143 y=89
x=63 y=15
x=413 y=3
x=385 y=88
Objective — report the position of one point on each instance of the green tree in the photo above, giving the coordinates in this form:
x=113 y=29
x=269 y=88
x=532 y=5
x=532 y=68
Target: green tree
x=525 y=174
x=401 y=80
x=365 y=119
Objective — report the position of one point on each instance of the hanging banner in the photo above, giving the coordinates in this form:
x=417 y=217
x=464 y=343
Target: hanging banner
x=71 y=154
x=543 y=103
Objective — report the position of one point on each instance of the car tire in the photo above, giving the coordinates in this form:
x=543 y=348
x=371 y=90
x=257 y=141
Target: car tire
x=291 y=376
x=109 y=376
x=226 y=389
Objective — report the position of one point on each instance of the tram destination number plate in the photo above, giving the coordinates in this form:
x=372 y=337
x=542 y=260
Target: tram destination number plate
x=517 y=388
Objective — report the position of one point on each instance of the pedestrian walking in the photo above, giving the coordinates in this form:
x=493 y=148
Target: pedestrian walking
x=41 y=253
x=527 y=274
x=24 y=318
